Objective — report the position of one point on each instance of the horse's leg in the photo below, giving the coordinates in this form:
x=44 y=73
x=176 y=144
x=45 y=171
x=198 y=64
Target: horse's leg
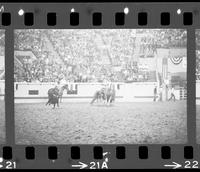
x=47 y=102
x=105 y=99
x=99 y=98
x=50 y=101
x=113 y=98
x=94 y=98
x=109 y=100
x=60 y=98
x=58 y=103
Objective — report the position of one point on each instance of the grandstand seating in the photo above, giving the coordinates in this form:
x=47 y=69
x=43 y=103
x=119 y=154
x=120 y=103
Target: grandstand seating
x=87 y=56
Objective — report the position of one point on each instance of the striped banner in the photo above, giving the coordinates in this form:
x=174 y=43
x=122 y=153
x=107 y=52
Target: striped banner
x=176 y=59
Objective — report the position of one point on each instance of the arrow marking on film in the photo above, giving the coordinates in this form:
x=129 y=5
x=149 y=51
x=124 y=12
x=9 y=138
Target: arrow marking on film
x=81 y=165
x=174 y=165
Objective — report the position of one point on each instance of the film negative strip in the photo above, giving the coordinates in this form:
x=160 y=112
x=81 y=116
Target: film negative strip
x=99 y=85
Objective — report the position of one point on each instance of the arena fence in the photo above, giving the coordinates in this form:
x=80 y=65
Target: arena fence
x=83 y=92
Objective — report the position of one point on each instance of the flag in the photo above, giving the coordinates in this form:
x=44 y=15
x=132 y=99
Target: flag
x=176 y=59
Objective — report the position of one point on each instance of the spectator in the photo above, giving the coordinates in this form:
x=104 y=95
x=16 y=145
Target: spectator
x=155 y=93
x=172 y=94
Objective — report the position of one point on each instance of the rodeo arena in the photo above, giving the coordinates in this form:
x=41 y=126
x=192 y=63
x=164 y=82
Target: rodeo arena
x=107 y=86
x=2 y=87
x=198 y=84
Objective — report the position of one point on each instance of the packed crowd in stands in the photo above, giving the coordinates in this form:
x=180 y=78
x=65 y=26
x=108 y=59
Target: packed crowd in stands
x=39 y=71
x=89 y=55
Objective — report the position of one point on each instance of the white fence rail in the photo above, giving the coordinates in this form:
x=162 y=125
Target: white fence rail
x=83 y=92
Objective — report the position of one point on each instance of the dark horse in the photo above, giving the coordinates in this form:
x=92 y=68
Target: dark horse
x=53 y=97
x=54 y=94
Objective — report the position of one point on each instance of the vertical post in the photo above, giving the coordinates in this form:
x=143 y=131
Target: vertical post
x=164 y=76
x=191 y=83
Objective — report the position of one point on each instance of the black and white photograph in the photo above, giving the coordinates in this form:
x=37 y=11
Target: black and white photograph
x=2 y=87
x=100 y=86
x=198 y=85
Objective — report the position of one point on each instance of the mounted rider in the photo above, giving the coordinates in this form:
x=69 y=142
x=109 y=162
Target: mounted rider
x=106 y=93
x=53 y=96
x=110 y=93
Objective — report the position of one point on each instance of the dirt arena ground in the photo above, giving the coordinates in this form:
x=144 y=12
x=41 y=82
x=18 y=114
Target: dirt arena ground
x=198 y=123
x=2 y=122
x=121 y=123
